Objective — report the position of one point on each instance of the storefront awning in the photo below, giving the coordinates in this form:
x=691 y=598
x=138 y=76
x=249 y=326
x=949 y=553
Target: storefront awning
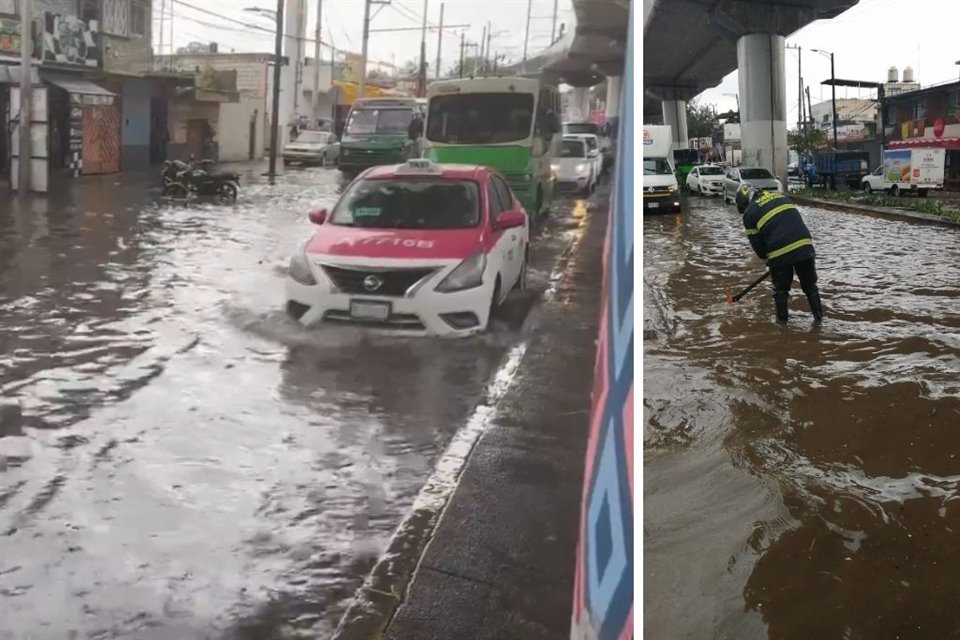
x=925 y=143
x=74 y=84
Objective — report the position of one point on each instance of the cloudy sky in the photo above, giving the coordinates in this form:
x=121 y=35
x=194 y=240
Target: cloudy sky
x=867 y=40
x=343 y=26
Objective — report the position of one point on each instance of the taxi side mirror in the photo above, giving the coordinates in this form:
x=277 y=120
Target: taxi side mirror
x=318 y=216
x=510 y=220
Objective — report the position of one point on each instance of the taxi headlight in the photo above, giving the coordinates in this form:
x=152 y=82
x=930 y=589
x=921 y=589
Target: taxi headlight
x=672 y=188
x=555 y=168
x=582 y=168
x=467 y=275
x=300 y=269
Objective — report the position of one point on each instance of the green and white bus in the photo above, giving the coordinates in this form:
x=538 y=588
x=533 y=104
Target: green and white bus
x=509 y=124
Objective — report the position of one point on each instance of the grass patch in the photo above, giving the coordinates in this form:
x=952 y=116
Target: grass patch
x=932 y=206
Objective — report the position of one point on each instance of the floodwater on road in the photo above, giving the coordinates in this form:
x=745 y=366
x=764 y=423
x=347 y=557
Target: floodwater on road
x=801 y=481
x=201 y=466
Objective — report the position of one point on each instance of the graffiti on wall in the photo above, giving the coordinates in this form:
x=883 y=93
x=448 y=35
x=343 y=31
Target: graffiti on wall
x=603 y=588
x=69 y=40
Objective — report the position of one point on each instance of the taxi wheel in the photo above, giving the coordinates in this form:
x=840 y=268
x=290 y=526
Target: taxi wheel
x=494 y=304
x=521 y=284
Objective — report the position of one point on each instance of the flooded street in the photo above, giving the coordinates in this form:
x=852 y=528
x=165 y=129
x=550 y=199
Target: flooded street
x=201 y=466
x=800 y=481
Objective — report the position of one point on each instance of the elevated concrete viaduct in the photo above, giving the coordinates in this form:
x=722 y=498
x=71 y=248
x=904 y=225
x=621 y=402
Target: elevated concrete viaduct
x=690 y=45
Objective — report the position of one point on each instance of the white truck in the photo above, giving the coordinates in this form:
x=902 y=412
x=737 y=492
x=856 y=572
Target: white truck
x=908 y=170
x=660 y=189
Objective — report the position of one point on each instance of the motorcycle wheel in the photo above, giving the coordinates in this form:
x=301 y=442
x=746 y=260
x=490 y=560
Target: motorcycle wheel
x=175 y=190
x=228 y=191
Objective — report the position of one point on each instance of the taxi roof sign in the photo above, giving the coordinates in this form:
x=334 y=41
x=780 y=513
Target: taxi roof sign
x=419 y=166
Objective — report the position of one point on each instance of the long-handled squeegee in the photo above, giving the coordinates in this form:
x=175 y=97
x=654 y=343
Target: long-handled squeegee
x=731 y=299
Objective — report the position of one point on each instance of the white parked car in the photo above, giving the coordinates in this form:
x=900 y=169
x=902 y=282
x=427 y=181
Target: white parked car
x=313 y=147
x=593 y=151
x=706 y=179
x=416 y=248
x=606 y=144
x=754 y=176
x=574 y=168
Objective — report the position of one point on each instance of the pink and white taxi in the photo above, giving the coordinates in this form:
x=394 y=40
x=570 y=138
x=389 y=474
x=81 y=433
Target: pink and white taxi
x=419 y=247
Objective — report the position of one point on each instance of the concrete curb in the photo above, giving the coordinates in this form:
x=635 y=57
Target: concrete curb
x=882 y=211
x=373 y=607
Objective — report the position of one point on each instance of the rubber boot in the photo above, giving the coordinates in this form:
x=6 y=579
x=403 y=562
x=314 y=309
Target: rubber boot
x=780 y=301
x=813 y=297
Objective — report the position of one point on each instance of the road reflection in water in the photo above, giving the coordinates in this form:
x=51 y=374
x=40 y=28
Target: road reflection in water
x=203 y=467
x=802 y=481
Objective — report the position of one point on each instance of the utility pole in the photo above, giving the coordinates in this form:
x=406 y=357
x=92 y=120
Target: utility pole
x=800 y=88
x=526 y=36
x=833 y=89
x=553 y=29
x=26 y=97
x=362 y=90
x=439 y=42
x=463 y=43
x=486 y=54
x=163 y=16
x=316 y=62
x=480 y=55
x=809 y=107
x=422 y=76
x=275 y=116
x=803 y=110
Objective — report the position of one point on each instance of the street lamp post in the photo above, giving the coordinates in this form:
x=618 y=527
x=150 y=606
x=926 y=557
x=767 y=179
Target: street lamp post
x=833 y=91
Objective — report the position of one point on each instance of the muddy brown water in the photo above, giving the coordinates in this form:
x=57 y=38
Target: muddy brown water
x=801 y=482
x=202 y=467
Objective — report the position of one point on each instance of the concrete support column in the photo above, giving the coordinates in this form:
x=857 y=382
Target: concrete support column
x=675 y=115
x=612 y=114
x=580 y=104
x=763 y=98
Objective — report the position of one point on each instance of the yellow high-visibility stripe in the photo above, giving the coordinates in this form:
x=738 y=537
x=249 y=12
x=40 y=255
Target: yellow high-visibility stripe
x=751 y=232
x=790 y=247
x=769 y=214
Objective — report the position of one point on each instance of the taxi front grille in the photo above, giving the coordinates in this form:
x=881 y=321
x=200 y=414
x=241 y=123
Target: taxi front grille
x=392 y=283
x=404 y=321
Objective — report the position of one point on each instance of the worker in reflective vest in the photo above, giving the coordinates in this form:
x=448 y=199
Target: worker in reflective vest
x=777 y=233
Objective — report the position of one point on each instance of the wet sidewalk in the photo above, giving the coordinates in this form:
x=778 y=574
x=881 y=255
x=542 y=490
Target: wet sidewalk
x=500 y=561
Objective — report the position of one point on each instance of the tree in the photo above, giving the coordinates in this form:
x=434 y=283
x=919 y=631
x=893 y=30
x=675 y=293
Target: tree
x=701 y=120
x=469 y=63
x=806 y=142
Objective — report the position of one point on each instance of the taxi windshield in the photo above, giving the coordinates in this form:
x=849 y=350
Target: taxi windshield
x=416 y=203
x=711 y=171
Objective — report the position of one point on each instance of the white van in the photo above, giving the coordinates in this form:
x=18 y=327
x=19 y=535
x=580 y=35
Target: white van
x=660 y=189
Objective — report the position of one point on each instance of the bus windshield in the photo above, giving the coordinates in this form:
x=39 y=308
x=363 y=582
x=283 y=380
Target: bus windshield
x=480 y=118
x=373 y=121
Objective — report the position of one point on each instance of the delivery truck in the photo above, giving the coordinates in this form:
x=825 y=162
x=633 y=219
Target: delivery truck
x=660 y=190
x=908 y=171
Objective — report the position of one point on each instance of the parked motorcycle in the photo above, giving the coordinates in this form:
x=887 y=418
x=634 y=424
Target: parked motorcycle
x=183 y=178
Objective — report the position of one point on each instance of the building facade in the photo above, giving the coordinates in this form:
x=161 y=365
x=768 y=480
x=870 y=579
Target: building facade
x=92 y=103
x=927 y=118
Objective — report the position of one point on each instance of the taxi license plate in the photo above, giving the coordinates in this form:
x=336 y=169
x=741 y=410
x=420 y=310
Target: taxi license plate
x=371 y=311
x=654 y=205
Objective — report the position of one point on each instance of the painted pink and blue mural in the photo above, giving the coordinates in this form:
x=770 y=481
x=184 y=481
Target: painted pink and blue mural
x=603 y=589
